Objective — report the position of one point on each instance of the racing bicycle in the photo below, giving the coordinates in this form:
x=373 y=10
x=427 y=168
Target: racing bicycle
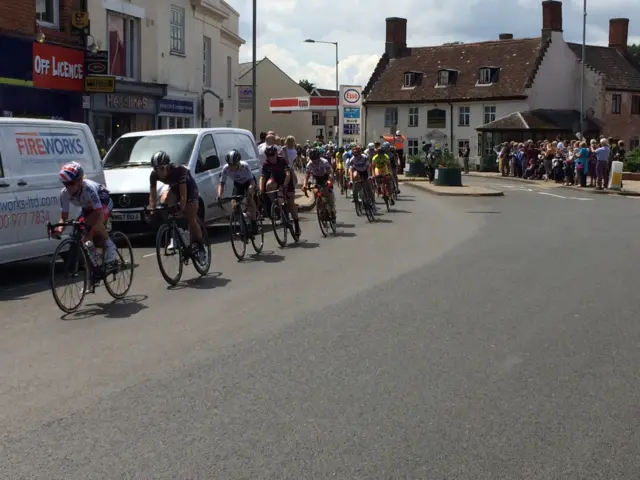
x=281 y=218
x=362 y=200
x=326 y=218
x=240 y=227
x=85 y=268
x=173 y=242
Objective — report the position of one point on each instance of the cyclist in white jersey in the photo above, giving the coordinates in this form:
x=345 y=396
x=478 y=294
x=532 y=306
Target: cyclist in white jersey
x=360 y=169
x=244 y=183
x=95 y=202
x=322 y=172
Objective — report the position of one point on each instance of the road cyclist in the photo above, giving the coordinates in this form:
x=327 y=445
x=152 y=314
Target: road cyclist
x=244 y=183
x=320 y=168
x=360 y=170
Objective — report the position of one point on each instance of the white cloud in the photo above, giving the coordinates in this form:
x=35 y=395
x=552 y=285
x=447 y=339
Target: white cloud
x=359 y=28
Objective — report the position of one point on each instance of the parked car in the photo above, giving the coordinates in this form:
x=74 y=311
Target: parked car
x=31 y=154
x=127 y=168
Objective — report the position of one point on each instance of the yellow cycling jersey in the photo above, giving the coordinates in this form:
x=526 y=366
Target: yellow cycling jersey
x=339 y=161
x=381 y=164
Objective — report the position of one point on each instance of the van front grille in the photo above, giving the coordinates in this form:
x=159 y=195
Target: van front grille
x=130 y=200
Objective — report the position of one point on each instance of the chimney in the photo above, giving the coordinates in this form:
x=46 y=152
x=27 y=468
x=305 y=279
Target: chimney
x=551 y=18
x=619 y=33
x=396 y=42
x=506 y=36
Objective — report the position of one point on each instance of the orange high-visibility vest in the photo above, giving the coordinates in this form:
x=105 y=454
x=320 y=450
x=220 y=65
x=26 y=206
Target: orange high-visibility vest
x=397 y=142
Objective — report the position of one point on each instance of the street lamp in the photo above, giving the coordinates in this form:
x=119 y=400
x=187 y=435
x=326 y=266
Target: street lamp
x=584 y=53
x=337 y=132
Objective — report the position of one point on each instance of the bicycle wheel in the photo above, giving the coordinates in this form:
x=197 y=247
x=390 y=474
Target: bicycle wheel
x=332 y=222
x=368 y=206
x=394 y=189
x=71 y=259
x=238 y=233
x=118 y=277
x=279 y=224
x=356 y=201
x=168 y=248
x=386 y=201
x=202 y=265
x=322 y=220
x=257 y=240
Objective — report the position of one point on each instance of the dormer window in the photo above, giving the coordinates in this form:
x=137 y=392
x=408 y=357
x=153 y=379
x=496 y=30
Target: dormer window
x=488 y=75
x=411 y=79
x=447 y=77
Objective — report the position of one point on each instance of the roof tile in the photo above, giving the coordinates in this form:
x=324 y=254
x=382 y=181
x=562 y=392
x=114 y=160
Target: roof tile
x=518 y=61
x=621 y=72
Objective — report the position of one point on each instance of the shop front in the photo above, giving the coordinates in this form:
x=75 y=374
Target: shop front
x=133 y=107
x=38 y=80
x=177 y=113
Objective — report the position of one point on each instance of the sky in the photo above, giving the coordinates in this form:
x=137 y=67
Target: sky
x=359 y=28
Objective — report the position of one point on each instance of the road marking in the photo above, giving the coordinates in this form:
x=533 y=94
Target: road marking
x=148 y=255
x=566 y=198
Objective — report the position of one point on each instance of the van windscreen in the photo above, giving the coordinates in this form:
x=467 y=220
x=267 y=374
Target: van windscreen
x=137 y=151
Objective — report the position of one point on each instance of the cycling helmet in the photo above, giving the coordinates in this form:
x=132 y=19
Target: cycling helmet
x=371 y=146
x=271 y=151
x=349 y=154
x=70 y=172
x=386 y=145
x=314 y=154
x=160 y=159
x=233 y=157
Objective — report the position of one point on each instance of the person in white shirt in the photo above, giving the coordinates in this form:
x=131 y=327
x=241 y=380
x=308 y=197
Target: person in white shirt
x=268 y=141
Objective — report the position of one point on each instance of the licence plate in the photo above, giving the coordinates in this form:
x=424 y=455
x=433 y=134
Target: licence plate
x=125 y=217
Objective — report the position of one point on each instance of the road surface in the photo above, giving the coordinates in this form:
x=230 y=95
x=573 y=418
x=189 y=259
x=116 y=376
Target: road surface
x=458 y=338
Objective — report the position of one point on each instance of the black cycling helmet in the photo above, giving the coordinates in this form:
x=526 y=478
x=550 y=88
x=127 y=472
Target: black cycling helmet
x=271 y=151
x=233 y=157
x=160 y=159
x=314 y=154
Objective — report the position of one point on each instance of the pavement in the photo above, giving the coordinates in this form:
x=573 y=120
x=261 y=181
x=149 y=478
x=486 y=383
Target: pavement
x=464 y=191
x=484 y=338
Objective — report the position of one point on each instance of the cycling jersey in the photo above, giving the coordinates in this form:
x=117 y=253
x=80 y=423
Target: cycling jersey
x=242 y=174
x=277 y=171
x=319 y=169
x=360 y=163
x=177 y=175
x=91 y=196
x=381 y=163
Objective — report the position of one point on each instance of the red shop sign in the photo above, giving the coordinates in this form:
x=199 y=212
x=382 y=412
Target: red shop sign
x=58 y=68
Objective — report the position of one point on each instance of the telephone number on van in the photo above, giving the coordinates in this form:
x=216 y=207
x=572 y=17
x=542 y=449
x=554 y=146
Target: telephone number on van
x=23 y=219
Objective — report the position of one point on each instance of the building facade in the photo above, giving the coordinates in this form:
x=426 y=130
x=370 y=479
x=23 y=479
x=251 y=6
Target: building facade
x=484 y=93
x=325 y=121
x=273 y=83
x=42 y=61
x=173 y=64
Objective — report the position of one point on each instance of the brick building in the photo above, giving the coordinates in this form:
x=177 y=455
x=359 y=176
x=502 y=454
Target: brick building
x=42 y=62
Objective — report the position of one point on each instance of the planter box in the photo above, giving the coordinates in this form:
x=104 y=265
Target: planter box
x=448 y=177
x=417 y=169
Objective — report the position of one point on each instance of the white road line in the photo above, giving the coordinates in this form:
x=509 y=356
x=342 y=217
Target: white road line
x=148 y=255
x=566 y=198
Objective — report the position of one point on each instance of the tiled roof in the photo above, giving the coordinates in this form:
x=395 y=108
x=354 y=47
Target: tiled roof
x=324 y=92
x=518 y=61
x=542 y=119
x=621 y=71
x=246 y=67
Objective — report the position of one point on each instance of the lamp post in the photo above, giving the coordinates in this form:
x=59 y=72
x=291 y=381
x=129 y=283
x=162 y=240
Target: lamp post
x=584 y=54
x=337 y=122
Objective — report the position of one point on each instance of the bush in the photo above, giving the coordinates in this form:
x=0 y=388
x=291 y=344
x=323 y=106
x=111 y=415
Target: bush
x=415 y=159
x=448 y=161
x=632 y=161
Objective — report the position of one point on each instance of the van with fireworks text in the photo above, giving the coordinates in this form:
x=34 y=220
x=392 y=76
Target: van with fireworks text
x=31 y=154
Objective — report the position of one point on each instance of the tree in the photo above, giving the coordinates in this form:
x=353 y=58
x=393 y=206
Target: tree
x=635 y=50
x=307 y=85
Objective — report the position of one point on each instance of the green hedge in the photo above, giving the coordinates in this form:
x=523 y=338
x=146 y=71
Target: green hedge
x=632 y=161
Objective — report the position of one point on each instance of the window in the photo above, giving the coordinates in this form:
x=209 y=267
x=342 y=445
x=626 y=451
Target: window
x=315 y=118
x=447 y=77
x=206 y=61
x=179 y=122
x=413 y=148
x=462 y=145
x=390 y=117
x=413 y=116
x=635 y=105
x=616 y=103
x=436 y=118
x=409 y=79
x=207 y=155
x=488 y=75
x=634 y=143
x=177 y=30
x=247 y=149
x=48 y=13
x=320 y=133
x=138 y=150
x=229 y=77
x=489 y=113
x=124 y=45
x=464 y=116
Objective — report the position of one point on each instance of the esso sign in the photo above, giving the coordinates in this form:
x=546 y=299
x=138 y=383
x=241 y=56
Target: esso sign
x=303 y=104
x=351 y=96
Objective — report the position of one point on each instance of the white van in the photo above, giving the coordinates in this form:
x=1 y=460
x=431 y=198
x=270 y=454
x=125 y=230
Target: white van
x=127 y=168
x=31 y=154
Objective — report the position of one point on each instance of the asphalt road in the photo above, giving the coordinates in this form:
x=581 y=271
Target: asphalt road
x=458 y=338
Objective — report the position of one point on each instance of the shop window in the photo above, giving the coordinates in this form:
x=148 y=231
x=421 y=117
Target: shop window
x=179 y=122
x=124 y=45
x=177 y=30
x=48 y=13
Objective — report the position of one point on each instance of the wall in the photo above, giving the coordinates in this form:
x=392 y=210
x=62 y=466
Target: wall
x=274 y=83
x=376 y=113
x=19 y=17
x=622 y=126
x=554 y=84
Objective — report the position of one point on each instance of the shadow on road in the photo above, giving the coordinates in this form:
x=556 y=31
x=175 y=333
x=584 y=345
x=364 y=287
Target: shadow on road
x=217 y=234
x=345 y=234
x=382 y=220
x=406 y=198
x=346 y=225
x=210 y=281
x=472 y=211
x=265 y=257
x=23 y=279
x=399 y=210
x=123 y=308
x=303 y=244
